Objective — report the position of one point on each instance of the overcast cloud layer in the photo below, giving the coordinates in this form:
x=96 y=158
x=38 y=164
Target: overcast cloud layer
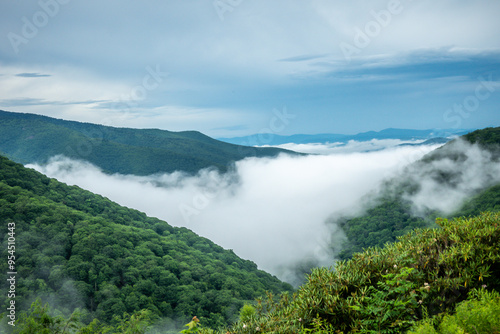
x=222 y=66
x=271 y=211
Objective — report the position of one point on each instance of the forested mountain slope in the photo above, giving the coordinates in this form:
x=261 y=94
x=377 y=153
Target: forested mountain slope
x=487 y=200
x=77 y=249
x=29 y=138
x=392 y=213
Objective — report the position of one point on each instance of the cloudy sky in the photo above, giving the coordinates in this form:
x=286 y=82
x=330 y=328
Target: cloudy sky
x=233 y=67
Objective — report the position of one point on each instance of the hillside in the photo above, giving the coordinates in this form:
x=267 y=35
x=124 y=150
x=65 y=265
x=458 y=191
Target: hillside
x=29 y=138
x=391 y=213
x=75 y=249
x=487 y=200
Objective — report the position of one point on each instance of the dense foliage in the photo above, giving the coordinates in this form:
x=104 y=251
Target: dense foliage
x=28 y=138
x=40 y=319
x=426 y=273
x=393 y=217
x=382 y=223
x=487 y=200
x=488 y=138
x=479 y=314
x=75 y=249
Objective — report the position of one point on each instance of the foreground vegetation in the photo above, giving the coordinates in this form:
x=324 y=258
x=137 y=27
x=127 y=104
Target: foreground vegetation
x=443 y=280
x=423 y=276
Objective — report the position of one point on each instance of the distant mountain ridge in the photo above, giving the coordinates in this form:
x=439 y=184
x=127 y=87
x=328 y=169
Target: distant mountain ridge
x=390 y=133
x=30 y=138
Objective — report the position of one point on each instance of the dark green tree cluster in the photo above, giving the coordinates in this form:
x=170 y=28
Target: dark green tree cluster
x=488 y=200
x=423 y=276
x=75 y=249
x=40 y=319
x=380 y=224
x=488 y=138
x=29 y=138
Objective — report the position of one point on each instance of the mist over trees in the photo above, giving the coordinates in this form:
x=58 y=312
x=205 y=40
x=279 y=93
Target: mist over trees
x=461 y=178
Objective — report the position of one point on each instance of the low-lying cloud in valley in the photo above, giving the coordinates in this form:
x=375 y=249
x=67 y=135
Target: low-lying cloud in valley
x=273 y=211
x=448 y=179
x=350 y=147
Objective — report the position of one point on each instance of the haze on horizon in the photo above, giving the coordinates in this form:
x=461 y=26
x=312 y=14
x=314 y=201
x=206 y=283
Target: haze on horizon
x=231 y=68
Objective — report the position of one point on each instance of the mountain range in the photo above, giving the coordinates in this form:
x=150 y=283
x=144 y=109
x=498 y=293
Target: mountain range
x=402 y=134
x=30 y=138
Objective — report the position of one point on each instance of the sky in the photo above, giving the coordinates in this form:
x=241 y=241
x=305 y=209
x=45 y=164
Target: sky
x=234 y=67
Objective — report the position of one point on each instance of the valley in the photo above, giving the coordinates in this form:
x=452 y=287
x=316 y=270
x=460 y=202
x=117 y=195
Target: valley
x=95 y=256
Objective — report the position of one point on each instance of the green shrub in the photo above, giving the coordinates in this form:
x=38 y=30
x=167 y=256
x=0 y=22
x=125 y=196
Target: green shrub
x=38 y=319
x=480 y=314
x=247 y=312
x=424 y=328
x=391 y=306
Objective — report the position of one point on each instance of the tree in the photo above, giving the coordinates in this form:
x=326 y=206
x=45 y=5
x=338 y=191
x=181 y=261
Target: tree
x=39 y=320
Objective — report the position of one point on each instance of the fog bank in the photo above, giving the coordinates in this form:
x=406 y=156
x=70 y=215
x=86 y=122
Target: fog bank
x=268 y=210
x=351 y=146
x=456 y=172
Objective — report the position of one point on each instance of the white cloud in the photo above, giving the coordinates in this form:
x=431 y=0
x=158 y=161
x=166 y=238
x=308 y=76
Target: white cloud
x=349 y=147
x=271 y=211
x=469 y=24
x=277 y=212
x=445 y=183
